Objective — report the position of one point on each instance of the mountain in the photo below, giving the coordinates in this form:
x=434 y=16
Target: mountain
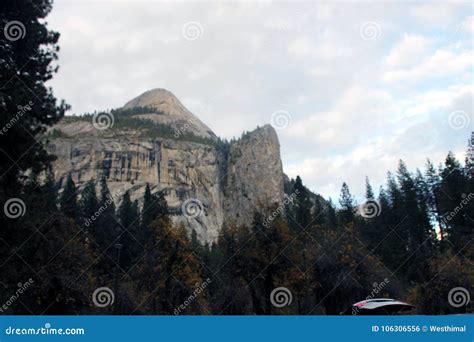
x=154 y=139
x=173 y=112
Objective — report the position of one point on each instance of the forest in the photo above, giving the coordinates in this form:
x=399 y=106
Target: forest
x=414 y=238
x=62 y=243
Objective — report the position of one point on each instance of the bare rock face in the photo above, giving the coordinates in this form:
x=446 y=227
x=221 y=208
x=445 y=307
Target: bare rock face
x=205 y=184
x=254 y=174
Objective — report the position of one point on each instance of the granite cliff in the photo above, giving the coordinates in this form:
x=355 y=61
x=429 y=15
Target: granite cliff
x=205 y=181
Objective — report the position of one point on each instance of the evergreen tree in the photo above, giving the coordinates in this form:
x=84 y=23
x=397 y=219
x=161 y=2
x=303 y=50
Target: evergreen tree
x=330 y=217
x=369 y=228
x=26 y=67
x=169 y=273
x=68 y=200
x=300 y=212
x=346 y=200
x=369 y=193
x=130 y=236
x=383 y=238
x=415 y=225
x=107 y=229
x=470 y=157
x=89 y=205
x=50 y=191
x=433 y=181
x=453 y=188
x=154 y=207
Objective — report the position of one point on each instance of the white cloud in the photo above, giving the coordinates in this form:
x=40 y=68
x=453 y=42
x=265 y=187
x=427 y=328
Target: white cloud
x=435 y=14
x=441 y=63
x=410 y=50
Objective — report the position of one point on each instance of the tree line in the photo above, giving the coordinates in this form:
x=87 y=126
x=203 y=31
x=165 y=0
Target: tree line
x=415 y=238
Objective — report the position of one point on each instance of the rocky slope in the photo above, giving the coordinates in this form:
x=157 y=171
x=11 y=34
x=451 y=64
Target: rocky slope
x=206 y=183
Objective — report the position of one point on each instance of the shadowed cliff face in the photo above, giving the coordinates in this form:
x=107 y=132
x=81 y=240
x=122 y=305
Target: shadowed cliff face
x=204 y=184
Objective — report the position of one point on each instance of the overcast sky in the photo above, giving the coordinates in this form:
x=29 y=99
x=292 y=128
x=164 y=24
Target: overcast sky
x=351 y=87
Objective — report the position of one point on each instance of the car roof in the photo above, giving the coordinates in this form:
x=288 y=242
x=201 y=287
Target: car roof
x=379 y=302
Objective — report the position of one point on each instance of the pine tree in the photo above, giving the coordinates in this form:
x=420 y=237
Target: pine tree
x=330 y=216
x=107 y=228
x=346 y=200
x=433 y=181
x=154 y=207
x=26 y=67
x=369 y=193
x=68 y=200
x=453 y=188
x=384 y=239
x=169 y=273
x=130 y=236
x=50 y=191
x=369 y=228
x=89 y=205
x=300 y=212
x=470 y=157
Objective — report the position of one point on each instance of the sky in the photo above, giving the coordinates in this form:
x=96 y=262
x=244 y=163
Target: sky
x=351 y=87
